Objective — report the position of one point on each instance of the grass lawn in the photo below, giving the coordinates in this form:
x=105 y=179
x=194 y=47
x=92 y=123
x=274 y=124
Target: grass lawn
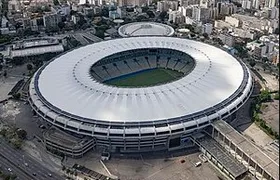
x=149 y=77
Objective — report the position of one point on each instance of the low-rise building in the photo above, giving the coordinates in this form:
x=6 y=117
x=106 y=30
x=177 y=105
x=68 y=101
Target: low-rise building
x=51 y=20
x=62 y=143
x=36 y=46
x=234 y=22
x=227 y=39
x=207 y=28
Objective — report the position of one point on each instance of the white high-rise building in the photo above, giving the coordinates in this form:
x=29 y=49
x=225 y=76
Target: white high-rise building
x=246 y=4
x=185 y=10
x=162 y=6
x=232 y=21
x=274 y=13
x=255 y=4
x=207 y=28
x=270 y=3
x=196 y=13
x=207 y=3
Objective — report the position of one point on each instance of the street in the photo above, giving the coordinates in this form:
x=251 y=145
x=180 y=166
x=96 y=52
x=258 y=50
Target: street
x=17 y=159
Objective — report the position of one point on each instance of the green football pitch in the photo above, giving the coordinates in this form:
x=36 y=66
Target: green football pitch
x=145 y=78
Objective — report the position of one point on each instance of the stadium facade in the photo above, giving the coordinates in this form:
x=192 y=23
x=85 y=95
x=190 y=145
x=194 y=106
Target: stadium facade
x=70 y=92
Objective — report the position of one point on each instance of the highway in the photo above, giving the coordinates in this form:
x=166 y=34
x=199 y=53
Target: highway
x=16 y=160
x=5 y=164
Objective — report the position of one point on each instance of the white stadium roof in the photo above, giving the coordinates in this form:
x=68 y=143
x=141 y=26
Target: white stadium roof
x=145 y=29
x=66 y=84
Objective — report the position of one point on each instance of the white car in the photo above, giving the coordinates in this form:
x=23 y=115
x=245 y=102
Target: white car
x=9 y=169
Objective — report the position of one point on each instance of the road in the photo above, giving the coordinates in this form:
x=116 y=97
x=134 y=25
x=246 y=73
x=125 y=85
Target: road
x=17 y=159
x=5 y=165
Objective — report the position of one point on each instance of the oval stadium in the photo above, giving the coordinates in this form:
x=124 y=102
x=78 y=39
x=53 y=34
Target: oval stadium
x=140 y=93
x=145 y=29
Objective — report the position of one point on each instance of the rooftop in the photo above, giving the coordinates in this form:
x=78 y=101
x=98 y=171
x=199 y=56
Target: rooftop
x=216 y=150
x=215 y=78
x=63 y=138
x=37 y=50
x=269 y=162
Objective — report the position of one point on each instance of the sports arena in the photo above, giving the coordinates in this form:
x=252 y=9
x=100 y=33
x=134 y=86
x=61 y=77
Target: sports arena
x=145 y=29
x=140 y=93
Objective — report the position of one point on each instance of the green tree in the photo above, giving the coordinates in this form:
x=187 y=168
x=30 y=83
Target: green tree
x=7 y=177
x=21 y=134
x=241 y=51
x=55 y=2
x=5 y=73
x=61 y=25
x=205 y=35
x=265 y=59
x=162 y=15
x=264 y=96
x=13 y=176
x=29 y=67
x=5 y=39
x=3 y=132
x=100 y=33
x=189 y=27
x=252 y=63
x=17 y=144
x=150 y=14
x=17 y=96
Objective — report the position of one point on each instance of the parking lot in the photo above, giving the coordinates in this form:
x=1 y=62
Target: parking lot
x=176 y=168
x=151 y=168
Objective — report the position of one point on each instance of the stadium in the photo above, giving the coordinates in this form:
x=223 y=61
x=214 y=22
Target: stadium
x=140 y=93
x=145 y=29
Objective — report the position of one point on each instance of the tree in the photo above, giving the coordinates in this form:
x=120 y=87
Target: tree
x=150 y=14
x=241 y=51
x=162 y=15
x=189 y=27
x=8 y=177
x=5 y=73
x=205 y=35
x=13 y=176
x=17 y=144
x=264 y=96
x=55 y=2
x=17 y=96
x=105 y=12
x=63 y=168
x=5 y=38
x=265 y=59
x=141 y=18
x=100 y=33
x=252 y=63
x=82 y=21
x=3 y=132
x=61 y=25
x=67 y=171
x=21 y=134
x=276 y=31
x=144 y=9
x=29 y=67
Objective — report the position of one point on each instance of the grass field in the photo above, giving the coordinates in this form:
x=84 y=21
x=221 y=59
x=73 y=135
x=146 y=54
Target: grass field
x=149 y=77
